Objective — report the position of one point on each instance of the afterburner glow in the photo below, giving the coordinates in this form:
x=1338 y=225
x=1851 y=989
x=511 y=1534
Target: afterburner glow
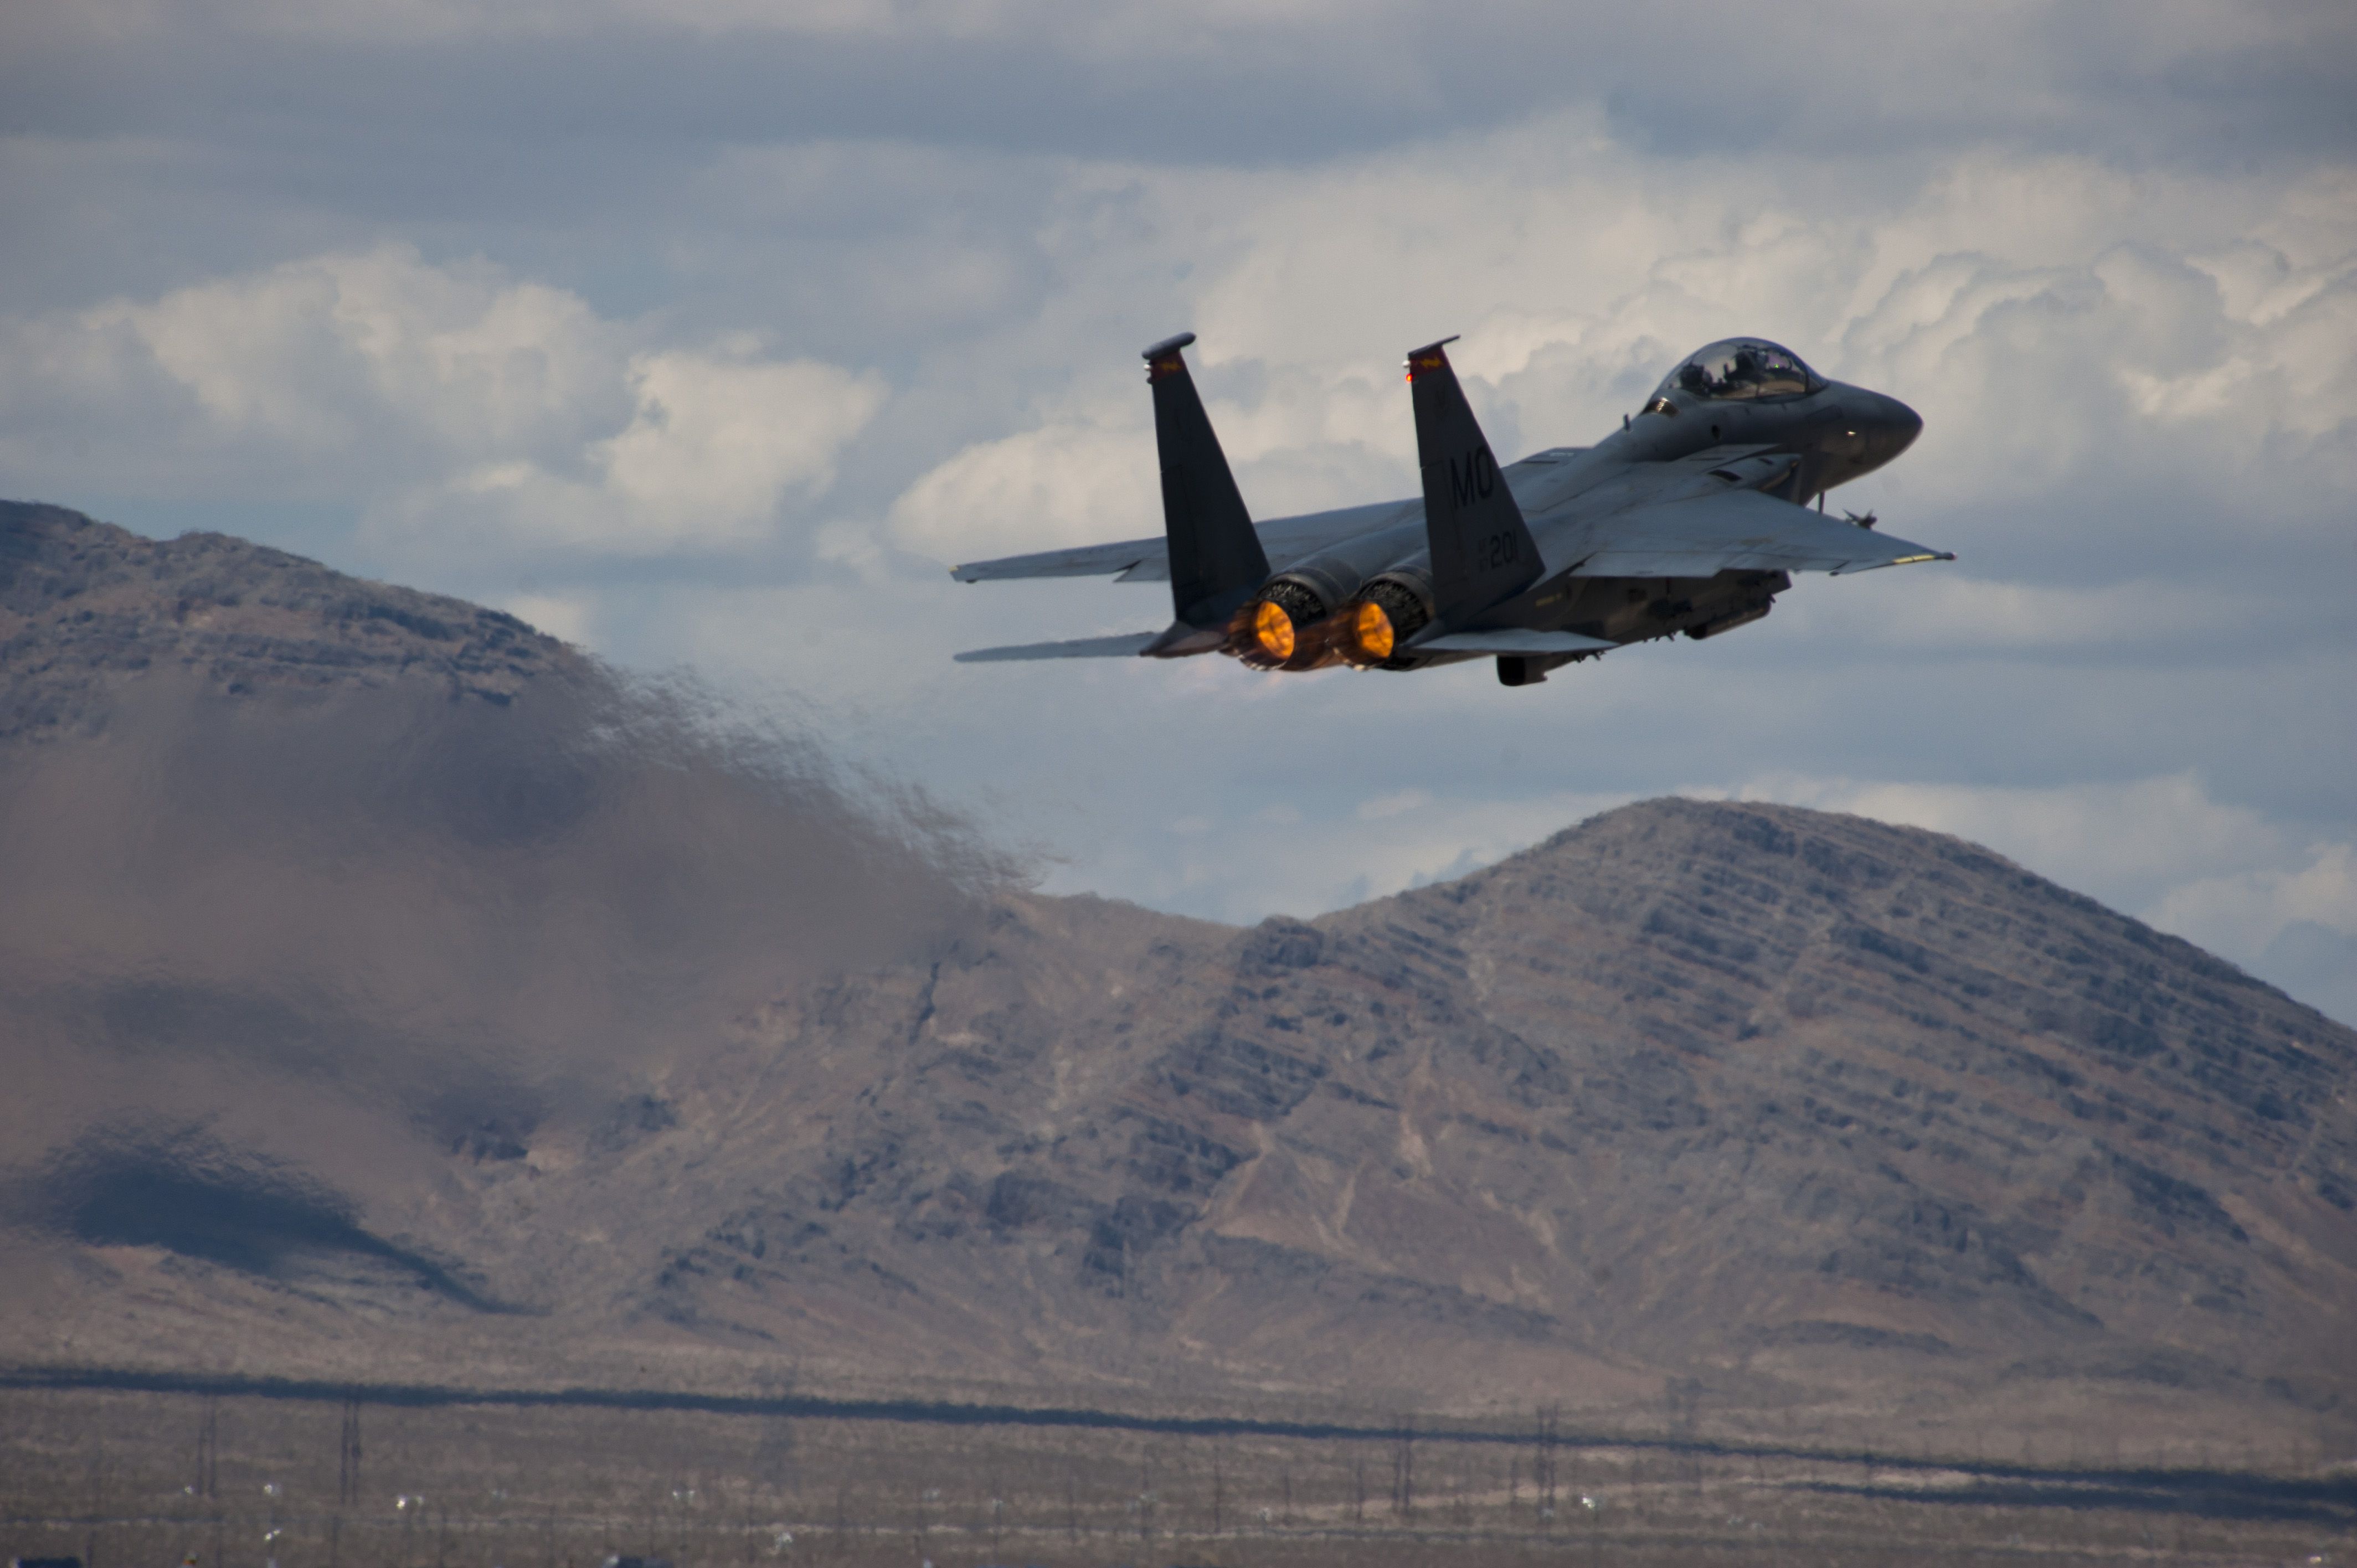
x=1272 y=630
x=1371 y=631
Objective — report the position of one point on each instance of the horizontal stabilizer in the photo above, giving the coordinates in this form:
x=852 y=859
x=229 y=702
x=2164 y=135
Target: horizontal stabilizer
x=1127 y=645
x=1088 y=561
x=1511 y=640
x=1743 y=530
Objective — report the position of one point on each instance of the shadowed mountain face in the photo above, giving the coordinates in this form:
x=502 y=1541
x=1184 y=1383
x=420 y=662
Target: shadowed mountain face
x=1736 y=1107
x=1743 y=1093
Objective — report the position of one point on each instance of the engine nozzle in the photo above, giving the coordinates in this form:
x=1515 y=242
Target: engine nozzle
x=1273 y=631
x=1287 y=627
x=1376 y=624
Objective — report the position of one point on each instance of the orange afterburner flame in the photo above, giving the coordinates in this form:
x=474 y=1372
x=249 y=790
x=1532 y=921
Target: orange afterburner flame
x=1370 y=636
x=1272 y=630
x=1264 y=635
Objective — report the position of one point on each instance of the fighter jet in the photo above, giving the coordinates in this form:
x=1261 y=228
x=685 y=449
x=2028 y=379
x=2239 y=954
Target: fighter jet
x=1690 y=518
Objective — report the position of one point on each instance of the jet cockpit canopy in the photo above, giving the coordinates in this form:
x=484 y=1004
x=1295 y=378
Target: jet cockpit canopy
x=1738 y=368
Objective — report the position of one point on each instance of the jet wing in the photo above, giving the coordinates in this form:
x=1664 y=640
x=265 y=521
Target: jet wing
x=1741 y=530
x=1124 y=556
x=1127 y=645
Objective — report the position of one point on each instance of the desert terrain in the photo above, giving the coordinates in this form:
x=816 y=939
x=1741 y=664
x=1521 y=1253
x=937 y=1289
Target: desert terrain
x=654 y=1139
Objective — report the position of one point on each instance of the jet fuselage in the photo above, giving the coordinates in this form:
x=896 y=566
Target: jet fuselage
x=1690 y=518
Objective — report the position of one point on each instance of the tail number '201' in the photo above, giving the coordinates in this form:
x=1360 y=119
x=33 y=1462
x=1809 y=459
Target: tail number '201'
x=1494 y=550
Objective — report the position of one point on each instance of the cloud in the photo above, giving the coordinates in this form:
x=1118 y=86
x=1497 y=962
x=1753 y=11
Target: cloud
x=2134 y=840
x=1375 y=808
x=2316 y=963
x=2123 y=371
x=1237 y=866
x=2221 y=875
x=1247 y=81
x=1947 y=612
x=2245 y=907
x=374 y=357
x=2111 y=254
x=1068 y=483
x=453 y=402
x=714 y=449
x=2164 y=849
x=567 y=619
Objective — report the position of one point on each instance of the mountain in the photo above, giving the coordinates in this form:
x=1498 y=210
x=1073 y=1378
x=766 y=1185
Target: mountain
x=497 y=1048
x=86 y=608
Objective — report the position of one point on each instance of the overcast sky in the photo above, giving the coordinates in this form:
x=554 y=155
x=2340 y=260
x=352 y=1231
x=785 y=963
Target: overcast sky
x=706 y=332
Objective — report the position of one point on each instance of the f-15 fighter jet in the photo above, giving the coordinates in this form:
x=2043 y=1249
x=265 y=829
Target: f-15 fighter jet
x=1691 y=518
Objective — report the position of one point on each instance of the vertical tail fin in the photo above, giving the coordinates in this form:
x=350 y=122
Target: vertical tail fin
x=1482 y=552
x=1216 y=560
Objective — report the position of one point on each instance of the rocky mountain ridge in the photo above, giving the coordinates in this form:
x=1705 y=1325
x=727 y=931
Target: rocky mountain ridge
x=85 y=606
x=1735 y=1107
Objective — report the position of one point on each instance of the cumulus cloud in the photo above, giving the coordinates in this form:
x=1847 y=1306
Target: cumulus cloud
x=2050 y=309
x=2319 y=889
x=2222 y=876
x=452 y=401
x=2134 y=840
x=2086 y=341
x=374 y=358
x=712 y=450
x=1951 y=612
x=2118 y=367
x=1069 y=483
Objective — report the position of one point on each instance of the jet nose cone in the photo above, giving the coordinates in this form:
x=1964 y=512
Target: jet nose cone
x=1900 y=425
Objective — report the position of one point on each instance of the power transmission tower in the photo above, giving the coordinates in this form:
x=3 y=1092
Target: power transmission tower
x=1544 y=1466
x=1403 y=1472
x=207 y=1479
x=348 y=1454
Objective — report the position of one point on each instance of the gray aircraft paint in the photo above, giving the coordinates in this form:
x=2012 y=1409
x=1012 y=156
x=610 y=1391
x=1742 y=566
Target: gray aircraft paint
x=1689 y=519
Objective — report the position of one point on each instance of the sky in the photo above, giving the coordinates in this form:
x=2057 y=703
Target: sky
x=707 y=333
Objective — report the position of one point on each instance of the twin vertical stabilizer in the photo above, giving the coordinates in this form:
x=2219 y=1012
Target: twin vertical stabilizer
x=1216 y=560
x=1642 y=544
x=1482 y=551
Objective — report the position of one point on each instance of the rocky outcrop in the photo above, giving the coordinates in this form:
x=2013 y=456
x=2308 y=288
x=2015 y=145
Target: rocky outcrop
x=85 y=606
x=1750 y=1104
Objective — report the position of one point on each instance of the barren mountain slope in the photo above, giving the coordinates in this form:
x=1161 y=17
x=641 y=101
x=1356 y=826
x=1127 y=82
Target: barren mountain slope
x=85 y=607
x=1739 y=1093
x=1744 y=1107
